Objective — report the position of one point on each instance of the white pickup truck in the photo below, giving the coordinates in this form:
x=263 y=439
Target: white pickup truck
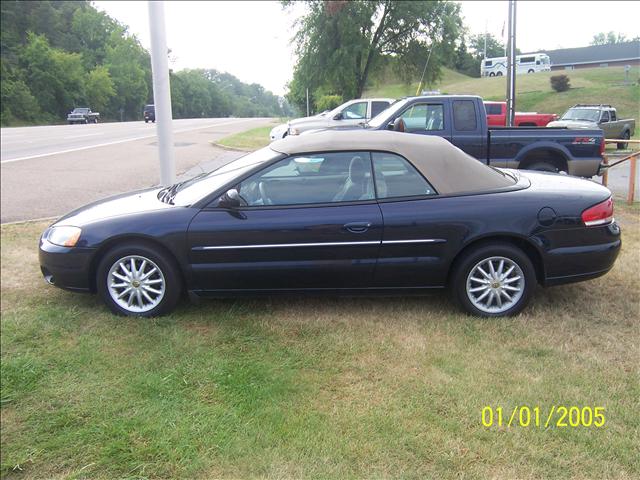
x=350 y=113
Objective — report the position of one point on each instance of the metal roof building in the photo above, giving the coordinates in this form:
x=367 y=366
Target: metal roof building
x=616 y=54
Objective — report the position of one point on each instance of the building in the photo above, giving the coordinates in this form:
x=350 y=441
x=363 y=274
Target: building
x=613 y=55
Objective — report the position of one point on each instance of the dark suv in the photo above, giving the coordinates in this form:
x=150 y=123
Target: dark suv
x=149 y=113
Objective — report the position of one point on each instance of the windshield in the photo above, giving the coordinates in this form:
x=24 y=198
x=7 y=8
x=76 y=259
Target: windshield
x=80 y=110
x=584 y=114
x=379 y=119
x=190 y=191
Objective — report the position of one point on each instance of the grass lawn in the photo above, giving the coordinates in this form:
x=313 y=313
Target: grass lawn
x=534 y=93
x=248 y=140
x=315 y=388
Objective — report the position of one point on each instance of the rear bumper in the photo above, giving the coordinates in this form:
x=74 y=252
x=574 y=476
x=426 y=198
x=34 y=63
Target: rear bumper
x=578 y=263
x=585 y=167
x=65 y=267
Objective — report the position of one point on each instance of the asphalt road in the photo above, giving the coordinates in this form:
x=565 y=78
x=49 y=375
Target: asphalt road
x=47 y=171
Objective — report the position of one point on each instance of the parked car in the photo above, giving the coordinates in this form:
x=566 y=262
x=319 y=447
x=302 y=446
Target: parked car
x=598 y=116
x=497 y=116
x=350 y=113
x=462 y=120
x=82 y=115
x=149 y=113
x=339 y=212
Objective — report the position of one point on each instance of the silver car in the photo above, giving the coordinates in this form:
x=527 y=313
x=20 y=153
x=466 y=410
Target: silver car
x=350 y=113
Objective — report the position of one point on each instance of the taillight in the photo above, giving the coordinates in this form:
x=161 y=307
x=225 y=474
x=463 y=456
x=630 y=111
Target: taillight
x=602 y=145
x=599 y=214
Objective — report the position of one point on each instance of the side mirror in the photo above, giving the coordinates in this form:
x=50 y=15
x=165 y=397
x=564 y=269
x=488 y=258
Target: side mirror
x=338 y=116
x=398 y=125
x=230 y=199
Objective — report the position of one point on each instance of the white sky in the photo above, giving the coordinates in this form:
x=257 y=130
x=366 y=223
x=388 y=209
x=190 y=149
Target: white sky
x=251 y=40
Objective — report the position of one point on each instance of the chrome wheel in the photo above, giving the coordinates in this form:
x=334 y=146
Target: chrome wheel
x=495 y=284
x=136 y=283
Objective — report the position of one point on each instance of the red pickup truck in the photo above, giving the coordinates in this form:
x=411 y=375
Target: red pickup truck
x=497 y=116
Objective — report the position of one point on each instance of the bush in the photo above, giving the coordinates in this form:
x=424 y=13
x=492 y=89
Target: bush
x=560 y=83
x=328 y=102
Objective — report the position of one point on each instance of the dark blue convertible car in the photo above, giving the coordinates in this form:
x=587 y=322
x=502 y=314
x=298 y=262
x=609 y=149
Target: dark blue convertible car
x=353 y=212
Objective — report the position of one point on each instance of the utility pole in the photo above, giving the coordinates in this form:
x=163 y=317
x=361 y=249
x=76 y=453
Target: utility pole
x=308 y=102
x=486 y=25
x=162 y=92
x=511 y=64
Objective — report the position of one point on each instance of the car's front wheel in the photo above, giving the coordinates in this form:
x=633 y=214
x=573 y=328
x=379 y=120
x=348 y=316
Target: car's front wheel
x=138 y=280
x=622 y=146
x=494 y=280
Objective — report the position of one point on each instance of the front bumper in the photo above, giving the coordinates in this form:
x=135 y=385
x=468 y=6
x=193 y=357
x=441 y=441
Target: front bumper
x=65 y=267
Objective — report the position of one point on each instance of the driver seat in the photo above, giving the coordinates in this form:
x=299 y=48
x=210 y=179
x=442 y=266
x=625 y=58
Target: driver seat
x=355 y=186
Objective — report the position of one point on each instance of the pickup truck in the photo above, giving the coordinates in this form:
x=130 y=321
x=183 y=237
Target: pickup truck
x=351 y=113
x=82 y=115
x=497 y=116
x=462 y=120
x=598 y=116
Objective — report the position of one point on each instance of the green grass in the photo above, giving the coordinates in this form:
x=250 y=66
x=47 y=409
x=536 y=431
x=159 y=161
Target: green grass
x=534 y=93
x=248 y=140
x=314 y=388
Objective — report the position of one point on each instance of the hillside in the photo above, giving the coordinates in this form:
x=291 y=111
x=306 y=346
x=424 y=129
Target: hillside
x=534 y=93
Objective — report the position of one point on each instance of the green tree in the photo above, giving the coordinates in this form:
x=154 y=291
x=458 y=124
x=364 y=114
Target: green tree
x=128 y=76
x=339 y=43
x=54 y=77
x=99 y=88
x=609 y=38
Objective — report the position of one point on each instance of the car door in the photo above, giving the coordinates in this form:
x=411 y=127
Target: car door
x=427 y=118
x=308 y=222
x=353 y=114
x=417 y=233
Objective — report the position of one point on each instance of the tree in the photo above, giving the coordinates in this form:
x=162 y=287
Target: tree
x=99 y=88
x=339 y=43
x=609 y=38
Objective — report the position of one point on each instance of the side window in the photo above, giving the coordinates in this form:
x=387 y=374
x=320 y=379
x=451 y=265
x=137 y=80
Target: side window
x=493 y=108
x=464 y=115
x=424 y=117
x=488 y=63
x=377 y=107
x=605 y=116
x=396 y=177
x=355 y=111
x=314 y=178
x=613 y=116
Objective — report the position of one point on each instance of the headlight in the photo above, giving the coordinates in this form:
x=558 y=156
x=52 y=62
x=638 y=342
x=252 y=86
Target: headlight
x=293 y=131
x=64 y=236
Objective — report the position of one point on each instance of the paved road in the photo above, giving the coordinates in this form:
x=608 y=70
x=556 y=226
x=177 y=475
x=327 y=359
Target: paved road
x=50 y=170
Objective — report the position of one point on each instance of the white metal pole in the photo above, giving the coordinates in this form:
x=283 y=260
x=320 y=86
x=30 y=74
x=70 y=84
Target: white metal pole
x=511 y=64
x=162 y=92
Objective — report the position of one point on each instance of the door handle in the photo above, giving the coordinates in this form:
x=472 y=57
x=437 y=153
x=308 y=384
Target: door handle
x=357 y=227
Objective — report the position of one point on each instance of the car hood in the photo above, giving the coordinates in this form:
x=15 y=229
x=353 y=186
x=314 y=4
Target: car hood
x=120 y=205
x=573 y=124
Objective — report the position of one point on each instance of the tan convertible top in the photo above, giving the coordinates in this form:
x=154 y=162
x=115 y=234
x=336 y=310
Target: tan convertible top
x=447 y=168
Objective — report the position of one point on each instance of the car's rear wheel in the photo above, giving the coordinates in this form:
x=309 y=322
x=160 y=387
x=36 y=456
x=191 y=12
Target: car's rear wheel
x=499 y=74
x=622 y=146
x=494 y=280
x=138 y=280
x=545 y=167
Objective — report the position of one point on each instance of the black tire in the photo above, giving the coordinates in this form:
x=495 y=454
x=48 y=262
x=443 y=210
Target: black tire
x=530 y=71
x=166 y=265
x=499 y=74
x=464 y=266
x=86 y=121
x=491 y=74
x=622 y=146
x=543 y=167
x=95 y=120
x=154 y=120
x=146 y=121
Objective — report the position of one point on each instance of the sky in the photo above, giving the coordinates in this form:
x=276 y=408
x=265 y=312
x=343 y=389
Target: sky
x=252 y=39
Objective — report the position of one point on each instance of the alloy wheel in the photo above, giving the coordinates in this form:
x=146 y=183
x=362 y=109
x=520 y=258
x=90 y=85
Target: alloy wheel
x=136 y=283
x=495 y=284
